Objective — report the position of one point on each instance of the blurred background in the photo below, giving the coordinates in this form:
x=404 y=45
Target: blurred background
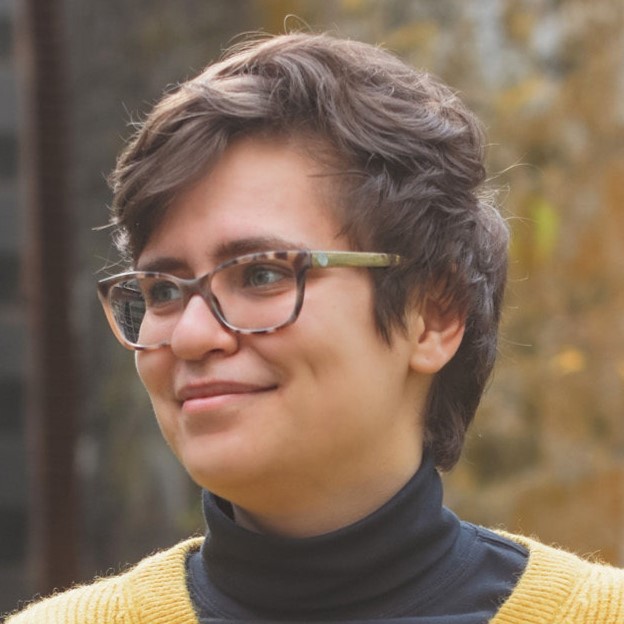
x=86 y=483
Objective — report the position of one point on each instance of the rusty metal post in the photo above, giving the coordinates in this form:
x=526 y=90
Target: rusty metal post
x=52 y=396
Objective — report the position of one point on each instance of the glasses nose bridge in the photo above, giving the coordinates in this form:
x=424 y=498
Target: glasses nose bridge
x=198 y=286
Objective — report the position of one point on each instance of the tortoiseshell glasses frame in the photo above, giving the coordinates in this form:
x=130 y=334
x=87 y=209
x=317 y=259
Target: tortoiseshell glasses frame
x=257 y=293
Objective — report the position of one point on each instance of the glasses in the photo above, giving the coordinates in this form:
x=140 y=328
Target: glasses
x=253 y=294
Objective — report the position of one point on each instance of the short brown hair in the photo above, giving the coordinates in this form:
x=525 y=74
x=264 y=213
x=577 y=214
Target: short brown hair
x=409 y=162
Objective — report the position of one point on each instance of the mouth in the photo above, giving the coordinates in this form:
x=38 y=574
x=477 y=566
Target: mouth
x=213 y=395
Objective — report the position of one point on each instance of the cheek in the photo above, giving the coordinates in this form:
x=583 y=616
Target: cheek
x=141 y=364
x=332 y=345
x=155 y=372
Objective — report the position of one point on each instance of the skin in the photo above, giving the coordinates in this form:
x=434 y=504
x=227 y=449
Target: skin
x=317 y=425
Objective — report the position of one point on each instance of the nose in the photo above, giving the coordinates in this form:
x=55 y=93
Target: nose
x=198 y=333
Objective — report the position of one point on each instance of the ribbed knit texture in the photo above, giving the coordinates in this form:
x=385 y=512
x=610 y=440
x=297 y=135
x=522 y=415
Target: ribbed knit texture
x=560 y=588
x=153 y=592
x=556 y=588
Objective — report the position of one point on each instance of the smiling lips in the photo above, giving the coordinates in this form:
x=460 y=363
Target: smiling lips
x=206 y=396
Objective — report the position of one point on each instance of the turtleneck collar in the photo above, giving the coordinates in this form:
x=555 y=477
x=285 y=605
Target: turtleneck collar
x=401 y=545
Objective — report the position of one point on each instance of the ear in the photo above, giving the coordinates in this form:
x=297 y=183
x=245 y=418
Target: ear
x=435 y=336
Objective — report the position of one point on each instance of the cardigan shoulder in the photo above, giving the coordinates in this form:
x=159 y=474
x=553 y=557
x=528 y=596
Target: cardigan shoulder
x=154 y=591
x=558 y=587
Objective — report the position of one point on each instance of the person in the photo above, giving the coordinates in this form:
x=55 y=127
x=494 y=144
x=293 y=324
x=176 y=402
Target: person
x=314 y=285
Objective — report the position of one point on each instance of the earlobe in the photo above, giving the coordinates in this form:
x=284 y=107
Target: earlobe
x=435 y=337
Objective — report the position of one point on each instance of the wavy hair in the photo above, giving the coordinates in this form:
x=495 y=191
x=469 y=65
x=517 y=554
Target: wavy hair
x=407 y=163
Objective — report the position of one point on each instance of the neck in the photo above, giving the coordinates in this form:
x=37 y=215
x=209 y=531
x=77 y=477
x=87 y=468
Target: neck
x=324 y=507
x=401 y=544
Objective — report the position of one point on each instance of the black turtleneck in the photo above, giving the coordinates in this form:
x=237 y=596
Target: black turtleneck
x=410 y=561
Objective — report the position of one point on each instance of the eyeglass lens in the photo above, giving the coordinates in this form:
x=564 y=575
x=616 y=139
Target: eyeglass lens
x=252 y=295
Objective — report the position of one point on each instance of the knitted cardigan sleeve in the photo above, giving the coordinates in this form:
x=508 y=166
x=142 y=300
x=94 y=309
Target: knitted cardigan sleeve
x=558 y=587
x=153 y=592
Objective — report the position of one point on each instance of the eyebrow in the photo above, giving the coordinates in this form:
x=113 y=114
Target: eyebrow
x=254 y=244
x=224 y=251
x=165 y=264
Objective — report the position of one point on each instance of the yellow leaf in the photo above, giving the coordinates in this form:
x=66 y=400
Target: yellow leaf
x=546 y=227
x=570 y=360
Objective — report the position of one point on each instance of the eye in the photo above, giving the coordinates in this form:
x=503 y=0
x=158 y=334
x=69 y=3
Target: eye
x=265 y=275
x=160 y=292
x=261 y=278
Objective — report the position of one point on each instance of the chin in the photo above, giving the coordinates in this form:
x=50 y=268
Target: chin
x=220 y=466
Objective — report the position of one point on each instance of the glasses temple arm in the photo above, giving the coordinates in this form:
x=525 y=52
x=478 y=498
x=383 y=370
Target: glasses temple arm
x=322 y=259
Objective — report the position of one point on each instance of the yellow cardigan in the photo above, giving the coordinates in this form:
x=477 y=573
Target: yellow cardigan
x=556 y=588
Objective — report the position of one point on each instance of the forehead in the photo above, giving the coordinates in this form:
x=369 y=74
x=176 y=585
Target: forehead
x=258 y=190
